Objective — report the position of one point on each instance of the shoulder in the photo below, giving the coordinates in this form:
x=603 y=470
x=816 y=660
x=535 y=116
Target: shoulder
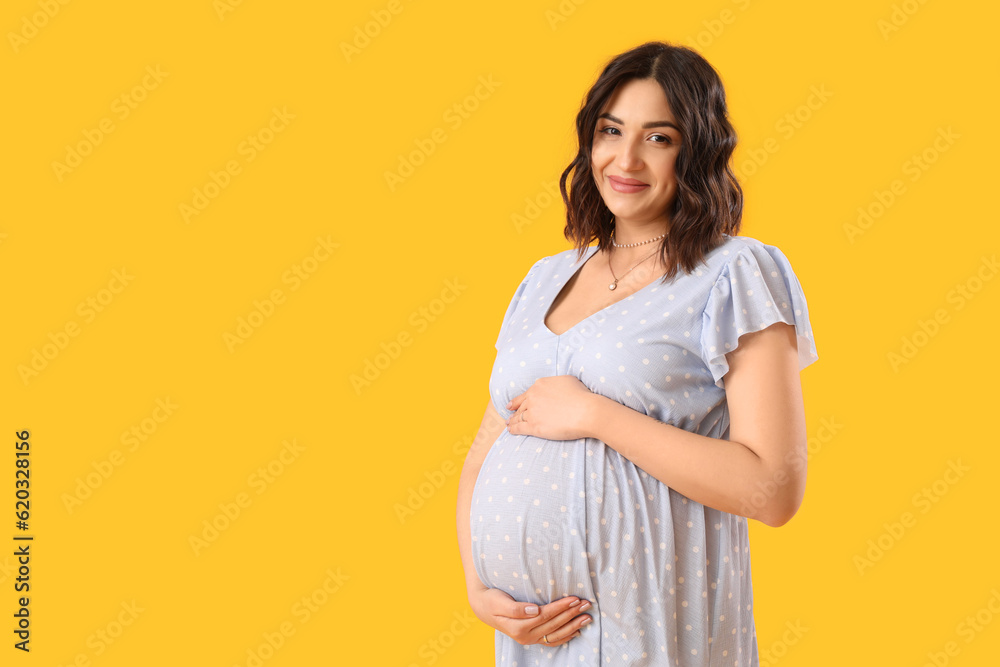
x=569 y=257
x=559 y=262
x=732 y=245
x=739 y=251
x=544 y=271
x=755 y=287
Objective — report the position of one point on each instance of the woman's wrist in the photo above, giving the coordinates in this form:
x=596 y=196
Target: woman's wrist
x=597 y=415
x=473 y=585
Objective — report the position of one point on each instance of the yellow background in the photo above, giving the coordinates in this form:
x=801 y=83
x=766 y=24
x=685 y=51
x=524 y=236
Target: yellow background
x=445 y=239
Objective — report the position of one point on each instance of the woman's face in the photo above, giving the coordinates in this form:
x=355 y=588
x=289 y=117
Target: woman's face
x=636 y=143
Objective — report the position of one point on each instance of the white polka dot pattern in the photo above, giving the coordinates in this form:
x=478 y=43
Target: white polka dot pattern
x=670 y=578
x=756 y=289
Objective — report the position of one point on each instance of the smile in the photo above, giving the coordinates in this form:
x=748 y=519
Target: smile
x=626 y=185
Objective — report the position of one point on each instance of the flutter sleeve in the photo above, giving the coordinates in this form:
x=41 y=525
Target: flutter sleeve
x=513 y=306
x=755 y=289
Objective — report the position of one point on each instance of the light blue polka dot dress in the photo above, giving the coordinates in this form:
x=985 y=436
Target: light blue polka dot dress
x=670 y=577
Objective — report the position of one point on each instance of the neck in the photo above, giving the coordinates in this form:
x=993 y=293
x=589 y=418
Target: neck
x=636 y=232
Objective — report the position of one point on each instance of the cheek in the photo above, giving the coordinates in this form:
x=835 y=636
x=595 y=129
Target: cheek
x=597 y=172
x=600 y=155
x=668 y=171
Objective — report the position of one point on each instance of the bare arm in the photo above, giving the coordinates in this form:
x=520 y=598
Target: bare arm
x=489 y=430
x=767 y=435
x=759 y=472
x=554 y=623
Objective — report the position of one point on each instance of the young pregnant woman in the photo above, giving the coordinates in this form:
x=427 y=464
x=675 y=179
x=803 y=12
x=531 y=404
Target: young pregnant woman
x=645 y=400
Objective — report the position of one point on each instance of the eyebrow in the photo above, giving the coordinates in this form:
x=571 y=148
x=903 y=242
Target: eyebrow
x=653 y=123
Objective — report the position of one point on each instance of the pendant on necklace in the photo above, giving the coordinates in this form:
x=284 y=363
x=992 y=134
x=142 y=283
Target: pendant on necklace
x=613 y=285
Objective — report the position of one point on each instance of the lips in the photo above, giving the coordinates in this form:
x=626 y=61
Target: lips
x=626 y=185
x=625 y=181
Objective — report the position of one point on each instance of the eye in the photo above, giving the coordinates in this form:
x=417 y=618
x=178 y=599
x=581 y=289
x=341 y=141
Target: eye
x=611 y=130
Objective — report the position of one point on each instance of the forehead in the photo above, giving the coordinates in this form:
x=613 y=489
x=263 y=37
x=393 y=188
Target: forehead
x=639 y=100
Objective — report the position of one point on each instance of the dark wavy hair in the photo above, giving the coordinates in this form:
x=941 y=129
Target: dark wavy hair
x=709 y=201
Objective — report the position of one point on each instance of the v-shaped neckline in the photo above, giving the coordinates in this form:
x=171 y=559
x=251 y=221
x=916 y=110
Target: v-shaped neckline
x=593 y=251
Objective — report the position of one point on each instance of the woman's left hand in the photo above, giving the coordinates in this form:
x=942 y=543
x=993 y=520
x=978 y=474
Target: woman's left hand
x=557 y=407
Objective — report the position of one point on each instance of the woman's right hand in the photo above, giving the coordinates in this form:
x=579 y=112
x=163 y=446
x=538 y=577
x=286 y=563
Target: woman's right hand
x=557 y=622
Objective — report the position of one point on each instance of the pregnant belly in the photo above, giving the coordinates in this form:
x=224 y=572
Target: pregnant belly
x=528 y=518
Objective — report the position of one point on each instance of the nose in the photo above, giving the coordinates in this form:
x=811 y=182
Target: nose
x=628 y=157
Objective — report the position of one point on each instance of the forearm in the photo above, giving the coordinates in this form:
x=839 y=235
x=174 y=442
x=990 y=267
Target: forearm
x=466 y=483
x=489 y=430
x=725 y=475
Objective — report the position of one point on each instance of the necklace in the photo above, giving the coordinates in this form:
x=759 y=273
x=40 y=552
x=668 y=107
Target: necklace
x=614 y=285
x=632 y=245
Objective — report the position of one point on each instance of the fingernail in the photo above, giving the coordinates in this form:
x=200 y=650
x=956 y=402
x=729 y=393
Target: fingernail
x=508 y=404
x=586 y=620
x=531 y=610
x=574 y=603
x=585 y=605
